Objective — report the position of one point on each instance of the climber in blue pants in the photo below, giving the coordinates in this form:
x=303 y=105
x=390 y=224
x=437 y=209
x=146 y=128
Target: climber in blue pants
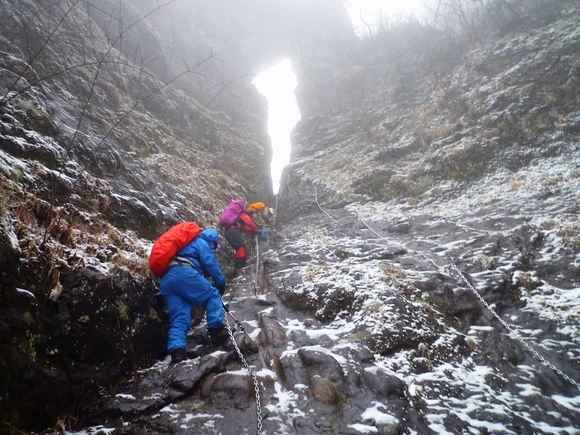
x=184 y=284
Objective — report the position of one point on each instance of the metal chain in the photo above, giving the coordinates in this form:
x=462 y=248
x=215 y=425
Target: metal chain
x=511 y=331
x=359 y=217
x=254 y=378
x=514 y=333
x=318 y=204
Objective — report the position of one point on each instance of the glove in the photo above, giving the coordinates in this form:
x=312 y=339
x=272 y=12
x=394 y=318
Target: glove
x=221 y=289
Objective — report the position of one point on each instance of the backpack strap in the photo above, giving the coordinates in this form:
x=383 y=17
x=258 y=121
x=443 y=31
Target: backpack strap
x=183 y=261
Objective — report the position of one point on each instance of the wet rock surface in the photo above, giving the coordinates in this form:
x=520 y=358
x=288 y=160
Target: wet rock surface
x=305 y=384
x=416 y=351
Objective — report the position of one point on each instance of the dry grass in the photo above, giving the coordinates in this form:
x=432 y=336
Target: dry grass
x=52 y=245
x=484 y=261
x=392 y=274
x=515 y=184
x=316 y=237
x=315 y=271
x=527 y=280
x=567 y=229
x=372 y=306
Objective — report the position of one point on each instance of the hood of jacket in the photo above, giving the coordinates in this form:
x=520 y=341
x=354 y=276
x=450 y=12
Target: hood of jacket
x=211 y=235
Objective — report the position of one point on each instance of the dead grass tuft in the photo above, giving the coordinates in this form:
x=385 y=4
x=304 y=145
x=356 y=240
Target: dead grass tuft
x=484 y=261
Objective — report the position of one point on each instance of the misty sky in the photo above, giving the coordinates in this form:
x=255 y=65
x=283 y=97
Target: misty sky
x=278 y=83
x=369 y=9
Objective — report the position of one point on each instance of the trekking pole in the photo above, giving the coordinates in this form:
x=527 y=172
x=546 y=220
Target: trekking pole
x=257 y=266
x=275 y=211
x=226 y=308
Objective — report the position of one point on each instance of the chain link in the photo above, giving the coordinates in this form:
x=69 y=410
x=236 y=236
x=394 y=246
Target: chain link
x=513 y=332
x=254 y=378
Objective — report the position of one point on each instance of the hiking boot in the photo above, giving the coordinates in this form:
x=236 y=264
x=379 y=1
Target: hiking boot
x=178 y=355
x=240 y=262
x=218 y=336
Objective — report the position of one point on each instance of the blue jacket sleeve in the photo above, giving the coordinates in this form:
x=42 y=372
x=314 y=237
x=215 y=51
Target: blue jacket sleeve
x=209 y=261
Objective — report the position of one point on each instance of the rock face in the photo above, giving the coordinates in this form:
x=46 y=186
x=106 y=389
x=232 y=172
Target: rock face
x=99 y=154
x=422 y=275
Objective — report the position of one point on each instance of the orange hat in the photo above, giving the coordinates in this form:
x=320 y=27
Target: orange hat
x=257 y=206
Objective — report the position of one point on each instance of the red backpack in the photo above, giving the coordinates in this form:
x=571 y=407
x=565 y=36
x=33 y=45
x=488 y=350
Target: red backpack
x=169 y=244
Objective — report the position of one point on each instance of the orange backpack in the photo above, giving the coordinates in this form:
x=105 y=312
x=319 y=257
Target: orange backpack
x=169 y=244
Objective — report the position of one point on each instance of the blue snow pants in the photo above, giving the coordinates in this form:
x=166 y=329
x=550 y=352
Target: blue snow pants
x=183 y=286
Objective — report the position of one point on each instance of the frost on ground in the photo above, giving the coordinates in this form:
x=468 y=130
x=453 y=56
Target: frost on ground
x=362 y=272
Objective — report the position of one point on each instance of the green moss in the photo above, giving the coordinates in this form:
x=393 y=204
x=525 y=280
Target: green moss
x=21 y=172
x=343 y=255
x=326 y=391
x=153 y=314
x=123 y=310
x=31 y=341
